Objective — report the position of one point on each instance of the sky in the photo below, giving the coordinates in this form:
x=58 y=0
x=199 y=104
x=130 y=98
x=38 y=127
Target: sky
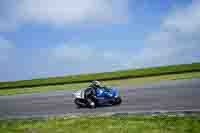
x=46 y=38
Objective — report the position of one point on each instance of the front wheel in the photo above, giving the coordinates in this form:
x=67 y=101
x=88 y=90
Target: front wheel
x=117 y=101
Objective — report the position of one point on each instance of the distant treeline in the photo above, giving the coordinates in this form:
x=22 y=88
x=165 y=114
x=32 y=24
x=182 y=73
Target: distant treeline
x=83 y=78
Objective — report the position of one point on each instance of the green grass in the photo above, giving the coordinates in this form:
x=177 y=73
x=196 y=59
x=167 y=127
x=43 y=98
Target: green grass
x=125 y=124
x=102 y=76
x=146 y=80
x=132 y=81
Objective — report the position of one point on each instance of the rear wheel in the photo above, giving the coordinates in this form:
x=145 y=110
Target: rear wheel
x=79 y=103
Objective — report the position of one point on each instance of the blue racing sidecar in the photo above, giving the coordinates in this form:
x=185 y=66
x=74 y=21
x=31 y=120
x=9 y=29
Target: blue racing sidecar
x=104 y=96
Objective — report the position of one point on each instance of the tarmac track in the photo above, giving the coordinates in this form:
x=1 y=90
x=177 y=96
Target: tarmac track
x=174 y=96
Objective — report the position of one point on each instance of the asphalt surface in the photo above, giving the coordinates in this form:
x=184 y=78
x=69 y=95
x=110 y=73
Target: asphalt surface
x=177 y=95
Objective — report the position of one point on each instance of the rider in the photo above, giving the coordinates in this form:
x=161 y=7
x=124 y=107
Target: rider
x=95 y=85
x=91 y=91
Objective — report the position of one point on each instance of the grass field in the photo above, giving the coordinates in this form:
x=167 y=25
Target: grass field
x=147 y=72
x=114 y=124
x=131 y=81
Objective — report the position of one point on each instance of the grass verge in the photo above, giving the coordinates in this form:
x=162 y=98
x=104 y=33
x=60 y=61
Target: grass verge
x=147 y=72
x=131 y=81
x=114 y=124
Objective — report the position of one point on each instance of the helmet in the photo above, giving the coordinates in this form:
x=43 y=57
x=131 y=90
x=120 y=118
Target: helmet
x=96 y=83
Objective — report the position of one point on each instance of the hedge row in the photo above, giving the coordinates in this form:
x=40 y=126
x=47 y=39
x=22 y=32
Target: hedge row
x=103 y=76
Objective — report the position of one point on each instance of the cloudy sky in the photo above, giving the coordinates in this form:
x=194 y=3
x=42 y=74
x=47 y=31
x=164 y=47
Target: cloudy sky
x=41 y=38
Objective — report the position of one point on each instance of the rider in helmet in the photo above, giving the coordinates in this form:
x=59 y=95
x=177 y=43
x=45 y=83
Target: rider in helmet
x=91 y=91
x=95 y=84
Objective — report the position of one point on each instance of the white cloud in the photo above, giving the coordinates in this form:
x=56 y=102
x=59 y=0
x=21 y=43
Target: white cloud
x=7 y=25
x=72 y=53
x=7 y=59
x=83 y=54
x=176 y=42
x=8 y=17
x=6 y=49
x=62 y=12
x=66 y=58
x=185 y=20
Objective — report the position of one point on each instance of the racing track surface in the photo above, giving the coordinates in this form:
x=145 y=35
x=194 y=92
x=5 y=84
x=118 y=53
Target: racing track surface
x=164 y=96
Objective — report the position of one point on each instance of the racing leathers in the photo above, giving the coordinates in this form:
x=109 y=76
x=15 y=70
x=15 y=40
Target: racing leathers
x=90 y=92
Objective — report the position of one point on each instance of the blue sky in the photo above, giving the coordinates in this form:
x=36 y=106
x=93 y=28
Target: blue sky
x=42 y=38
